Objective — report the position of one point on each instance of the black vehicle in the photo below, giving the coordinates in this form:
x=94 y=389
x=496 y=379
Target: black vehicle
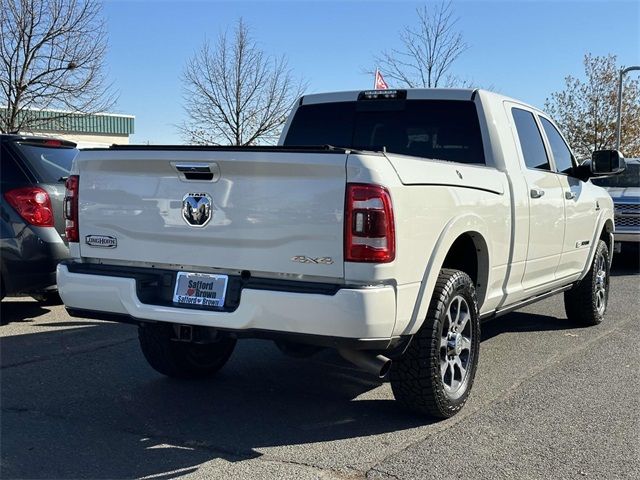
x=33 y=171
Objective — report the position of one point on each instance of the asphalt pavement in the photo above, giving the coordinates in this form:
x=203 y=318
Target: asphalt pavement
x=551 y=400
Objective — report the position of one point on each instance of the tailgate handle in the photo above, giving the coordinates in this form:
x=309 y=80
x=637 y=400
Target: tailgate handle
x=198 y=171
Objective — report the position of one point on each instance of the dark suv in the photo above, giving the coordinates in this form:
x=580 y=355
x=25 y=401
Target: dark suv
x=625 y=192
x=33 y=171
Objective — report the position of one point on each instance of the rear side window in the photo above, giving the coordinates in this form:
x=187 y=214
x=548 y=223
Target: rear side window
x=535 y=156
x=561 y=153
x=438 y=129
x=49 y=164
x=10 y=172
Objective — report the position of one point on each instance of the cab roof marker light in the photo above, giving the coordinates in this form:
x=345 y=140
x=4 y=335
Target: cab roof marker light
x=383 y=95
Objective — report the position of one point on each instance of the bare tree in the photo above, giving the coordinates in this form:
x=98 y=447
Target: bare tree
x=427 y=52
x=587 y=109
x=52 y=54
x=235 y=94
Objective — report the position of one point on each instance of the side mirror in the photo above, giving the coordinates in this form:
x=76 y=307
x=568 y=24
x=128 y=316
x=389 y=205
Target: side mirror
x=607 y=162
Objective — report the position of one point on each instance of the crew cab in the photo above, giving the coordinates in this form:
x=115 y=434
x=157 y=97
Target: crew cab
x=385 y=224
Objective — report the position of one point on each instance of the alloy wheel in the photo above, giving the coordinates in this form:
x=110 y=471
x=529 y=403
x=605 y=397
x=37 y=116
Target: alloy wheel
x=455 y=347
x=601 y=284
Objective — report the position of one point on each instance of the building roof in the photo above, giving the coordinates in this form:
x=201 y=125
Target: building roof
x=56 y=121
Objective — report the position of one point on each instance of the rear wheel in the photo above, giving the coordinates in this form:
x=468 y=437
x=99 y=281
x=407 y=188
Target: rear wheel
x=586 y=303
x=180 y=359
x=434 y=376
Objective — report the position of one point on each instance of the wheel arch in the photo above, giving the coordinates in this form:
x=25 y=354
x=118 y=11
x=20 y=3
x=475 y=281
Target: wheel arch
x=603 y=231
x=469 y=253
x=463 y=245
x=606 y=234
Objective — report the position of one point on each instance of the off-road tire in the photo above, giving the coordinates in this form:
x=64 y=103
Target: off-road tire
x=581 y=303
x=416 y=378
x=179 y=359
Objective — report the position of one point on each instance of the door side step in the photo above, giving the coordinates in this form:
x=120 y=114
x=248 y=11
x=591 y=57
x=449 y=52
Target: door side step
x=523 y=303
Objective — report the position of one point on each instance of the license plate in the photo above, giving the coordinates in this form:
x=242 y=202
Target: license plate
x=201 y=289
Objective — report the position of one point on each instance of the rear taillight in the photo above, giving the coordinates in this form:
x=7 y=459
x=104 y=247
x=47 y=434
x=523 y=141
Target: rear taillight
x=71 y=208
x=369 y=234
x=32 y=204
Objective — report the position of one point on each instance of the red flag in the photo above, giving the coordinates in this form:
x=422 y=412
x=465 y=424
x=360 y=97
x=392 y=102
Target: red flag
x=379 y=83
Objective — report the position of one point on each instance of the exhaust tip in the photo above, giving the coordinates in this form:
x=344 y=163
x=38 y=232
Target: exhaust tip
x=386 y=367
x=378 y=365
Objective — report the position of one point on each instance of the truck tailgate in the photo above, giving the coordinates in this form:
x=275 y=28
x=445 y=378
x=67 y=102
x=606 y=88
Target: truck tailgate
x=273 y=212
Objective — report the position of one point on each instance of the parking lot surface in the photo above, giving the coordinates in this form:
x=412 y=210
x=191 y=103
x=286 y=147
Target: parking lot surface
x=550 y=400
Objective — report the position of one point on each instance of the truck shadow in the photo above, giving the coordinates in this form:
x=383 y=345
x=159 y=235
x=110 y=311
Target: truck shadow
x=82 y=403
x=74 y=406
x=19 y=311
x=525 y=322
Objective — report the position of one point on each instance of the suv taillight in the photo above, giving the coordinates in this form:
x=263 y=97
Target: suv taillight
x=369 y=233
x=71 y=208
x=32 y=204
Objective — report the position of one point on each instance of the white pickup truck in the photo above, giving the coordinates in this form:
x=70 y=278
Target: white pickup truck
x=416 y=214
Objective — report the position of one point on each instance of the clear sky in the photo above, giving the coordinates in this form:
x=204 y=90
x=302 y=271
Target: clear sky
x=523 y=49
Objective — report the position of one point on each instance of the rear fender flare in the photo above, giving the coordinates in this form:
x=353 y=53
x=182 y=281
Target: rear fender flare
x=463 y=224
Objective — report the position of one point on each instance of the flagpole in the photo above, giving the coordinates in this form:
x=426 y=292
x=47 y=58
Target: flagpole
x=375 y=79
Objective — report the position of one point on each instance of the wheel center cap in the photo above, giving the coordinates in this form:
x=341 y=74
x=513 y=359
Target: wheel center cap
x=454 y=343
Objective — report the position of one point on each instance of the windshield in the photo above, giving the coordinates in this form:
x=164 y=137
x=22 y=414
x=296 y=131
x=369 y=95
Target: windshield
x=50 y=164
x=439 y=129
x=629 y=178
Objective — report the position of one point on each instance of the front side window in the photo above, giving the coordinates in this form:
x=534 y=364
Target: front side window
x=561 y=153
x=535 y=156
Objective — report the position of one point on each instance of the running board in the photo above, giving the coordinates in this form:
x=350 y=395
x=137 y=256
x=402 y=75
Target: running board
x=524 y=303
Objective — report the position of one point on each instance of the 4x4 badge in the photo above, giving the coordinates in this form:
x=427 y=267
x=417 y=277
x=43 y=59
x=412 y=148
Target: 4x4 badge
x=317 y=261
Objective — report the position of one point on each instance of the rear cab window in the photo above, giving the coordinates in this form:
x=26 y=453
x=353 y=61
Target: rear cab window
x=436 y=129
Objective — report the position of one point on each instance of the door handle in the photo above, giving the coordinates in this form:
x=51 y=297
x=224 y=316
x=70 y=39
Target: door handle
x=569 y=195
x=536 y=192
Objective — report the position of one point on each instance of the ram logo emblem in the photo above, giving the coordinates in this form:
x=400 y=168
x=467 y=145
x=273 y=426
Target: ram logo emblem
x=196 y=209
